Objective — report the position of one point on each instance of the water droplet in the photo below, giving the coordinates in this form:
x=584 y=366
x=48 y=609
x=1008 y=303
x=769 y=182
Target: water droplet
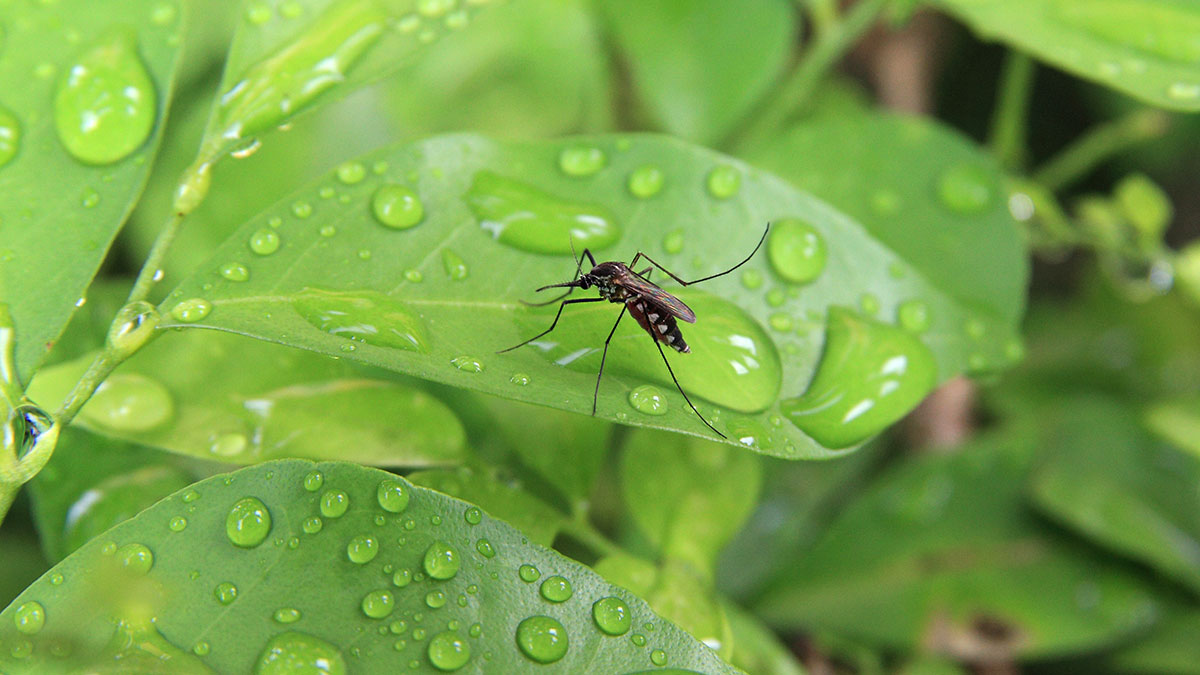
x=364 y=316
x=723 y=181
x=441 y=561
x=473 y=515
x=362 y=549
x=192 y=310
x=312 y=525
x=658 y=657
x=870 y=375
x=673 y=242
x=302 y=209
x=556 y=589
x=1184 y=91
x=397 y=207
x=869 y=304
x=796 y=250
x=105 y=106
x=293 y=652
x=913 y=315
x=648 y=399
x=177 y=524
x=455 y=266
x=378 y=604
x=780 y=321
x=393 y=495
x=351 y=172
x=485 y=548
x=248 y=522
x=402 y=578
x=201 y=648
x=136 y=558
x=467 y=363
x=133 y=327
x=163 y=13
x=529 y=219
x=10 y=136
x=542 y=639
x=258 y=13
x=447 y=651
x=313 y=481
x=432 y=9
x=612 y=615
x=90 y=198
x=646 y=181
x=287 y=615
x=334 y=503
x=56 y=579
x=579 y=160
x=190 y=496
x=435 y=599
x=886 y=202
x=638 y=639
x=29 y=618
x=752 y=280
x=264 y=242
x=129 y=402
x=528 y=573
x=235 y=271
x=965 y=189
x=975 y=328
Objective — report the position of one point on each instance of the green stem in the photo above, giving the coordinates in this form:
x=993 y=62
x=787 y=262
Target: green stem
x=146 y=278
x=1098 y=144
x=824 y=14
x=1010 y=121
x=587 y=534
x=10 y=387
x=798 y=88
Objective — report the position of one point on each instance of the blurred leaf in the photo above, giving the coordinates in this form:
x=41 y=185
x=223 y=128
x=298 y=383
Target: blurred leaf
x=942 y=555
x=1170 y=649
x=930 y=194
x=1144 y=48
x=442 y=295
x=355 y=591
x=1107 y=478
x=688 y=496
x=1178 y=422
x=84 y=89
x=755 y=648
x=699 y=66
x=931 y=665
x=225 y=398
x=90 y=323
x=23 y=561
x=506 y=501
x=71 y=506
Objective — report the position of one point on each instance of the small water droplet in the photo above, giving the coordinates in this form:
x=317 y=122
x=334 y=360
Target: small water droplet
x=334 y=503
x=528 y=573
x=287 y=615
x=105 y=106
x=869 y=304
x=752 y=280
x=402 y=578
x=293 y=652
x=435 y=599
x=393 y=495
x=248 y=522
x=797 y=251
x=648 y=399
x=913 y=315
x=433 y=9
x=312 y=525
x=467 y=364
x=56 y=579
x=886 y=202
x=1184 y=91
x=780 y=321
x=975 y=328
x=235 y=271
x=129 y=402
x=201 y=648
x=673 y=242
x=473 y=515
x=302 y=209
x=542 y=639
x=526 y=218
x=448 y=652
x=723 y=181
x=556 y=589
x=313 y=481
x=362 y=549
x=90 y=198
x=579 y=160
x=485 y=548
x=133 y=326
x=965 y=189
x=519 y=379
x=192 y=310
x=258 y=13
x=264 y=242
x=658 y=657
x=646 y=181
x=136 y=558
x=612 y=615
x=351 y=172
x=397 y=206
x=441 y=561
x=364 y=316
x=638 y=639
x=29 y=618
x=177 y=524
x=10 y=136
x=378 y=604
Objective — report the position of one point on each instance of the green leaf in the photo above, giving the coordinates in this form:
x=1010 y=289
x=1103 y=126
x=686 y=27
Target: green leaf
x=89 y=325
x=1107 y=478
x=331 y=594
x=1144 y=48
x=228 y=399
x=434 y=294
x=1177 y=421
x=1170 y=648
x=71 y=507
x=755 y=648
x=688 y=496
x=931 y=195
x=72 y=162
x=699 y=66
x=505 y=500
x=23 y=561
x=943 y=555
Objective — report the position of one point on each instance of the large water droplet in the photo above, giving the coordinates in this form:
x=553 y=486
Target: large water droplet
x=447 y=651
x=132 y=327
x=129 y=402
x=248 y=522
x=797 y=251
x=870 y=375
x=29 y=618
x=393 y=495
x=105 y=105
x=364 y=316
x=441 y=561
x=378 y=604
x=965 y=189
x=529 y=219
x=397 y=207
x=192 y=310
x=307 y=64
x=542 y=639
x=292 y=652
x=648 y=399
x=362 y=549
x=334 y=503
x=10 y=136
x=556 y=589
x=612 y=615
x=581 y=160
x=136 y=558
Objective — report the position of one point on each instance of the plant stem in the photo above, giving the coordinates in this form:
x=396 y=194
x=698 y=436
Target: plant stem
x=824 y=14
x=1098 y=144
x=1010 y=121
x=798 y=88
x=158 y=251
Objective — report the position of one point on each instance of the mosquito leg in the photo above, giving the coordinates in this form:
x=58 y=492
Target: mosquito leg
x=681 y=391
x=548 y=302
x=587 y=254
x=554 y=323
x=611 y=333
x=671 y=274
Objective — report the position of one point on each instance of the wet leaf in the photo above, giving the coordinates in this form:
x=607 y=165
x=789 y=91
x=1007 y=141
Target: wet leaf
x=943 y=555
x=391 y=580
x=1144 y=48
x=756 y=649
x=698 y=67
x=223 y=398
x=419 y=262
x=505 y=501
x=66 y=186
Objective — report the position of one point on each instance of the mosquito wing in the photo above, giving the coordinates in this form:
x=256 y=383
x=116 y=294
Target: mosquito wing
x=635 y=284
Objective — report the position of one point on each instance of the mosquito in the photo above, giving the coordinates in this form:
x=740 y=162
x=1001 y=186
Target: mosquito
x=654 y=309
